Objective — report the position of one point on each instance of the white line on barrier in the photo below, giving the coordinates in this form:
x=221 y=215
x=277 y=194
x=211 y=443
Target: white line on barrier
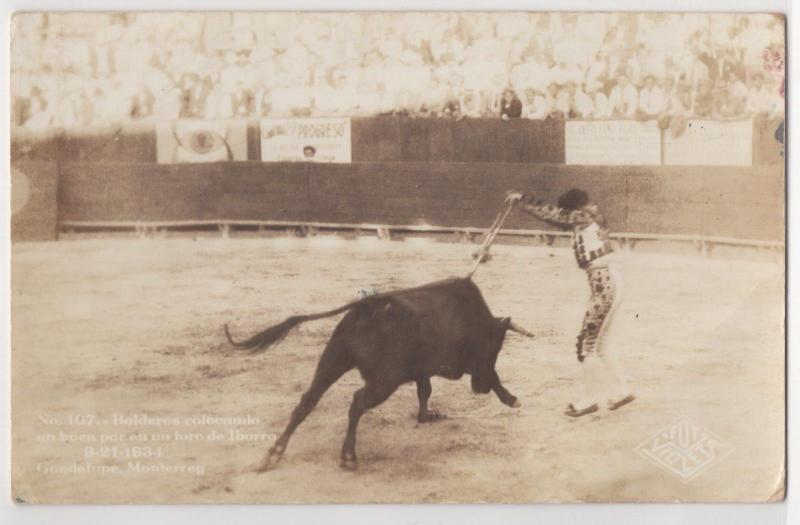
x=226 y=225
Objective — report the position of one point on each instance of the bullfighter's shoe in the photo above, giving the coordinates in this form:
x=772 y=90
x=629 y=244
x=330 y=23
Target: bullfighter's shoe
x=571 y=411
x=614 y=404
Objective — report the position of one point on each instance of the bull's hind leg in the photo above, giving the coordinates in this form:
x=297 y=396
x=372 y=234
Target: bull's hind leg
x=424 y=393
x=333 y=364
x=370 y=396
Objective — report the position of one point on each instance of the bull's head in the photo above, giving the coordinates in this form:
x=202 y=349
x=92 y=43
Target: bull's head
x=484 y=378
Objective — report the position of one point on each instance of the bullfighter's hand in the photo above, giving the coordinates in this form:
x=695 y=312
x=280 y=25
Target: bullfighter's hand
x=513 y=197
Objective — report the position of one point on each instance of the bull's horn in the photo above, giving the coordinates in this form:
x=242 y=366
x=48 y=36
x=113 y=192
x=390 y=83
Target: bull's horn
x=514 y=327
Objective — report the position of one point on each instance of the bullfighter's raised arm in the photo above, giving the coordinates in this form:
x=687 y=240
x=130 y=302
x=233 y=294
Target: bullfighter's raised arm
x=554 y=215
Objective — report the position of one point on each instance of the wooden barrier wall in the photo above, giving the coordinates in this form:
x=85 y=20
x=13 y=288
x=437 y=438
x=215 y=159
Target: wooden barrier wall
x=746 y=203
x=34 y=201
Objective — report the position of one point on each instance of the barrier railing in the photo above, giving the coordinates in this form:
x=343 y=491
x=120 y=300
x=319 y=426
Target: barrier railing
x=627 y=241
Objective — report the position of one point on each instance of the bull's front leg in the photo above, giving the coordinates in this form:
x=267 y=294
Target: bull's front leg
x=424 y=393
x=506 y=397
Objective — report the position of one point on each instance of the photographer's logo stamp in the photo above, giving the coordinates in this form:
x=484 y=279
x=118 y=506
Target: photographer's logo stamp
x=684 y=449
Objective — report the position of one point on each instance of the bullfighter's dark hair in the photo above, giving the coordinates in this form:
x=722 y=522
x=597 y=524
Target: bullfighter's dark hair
x=573 y=199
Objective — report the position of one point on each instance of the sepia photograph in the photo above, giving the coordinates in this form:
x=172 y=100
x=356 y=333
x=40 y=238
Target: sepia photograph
x=397 y=257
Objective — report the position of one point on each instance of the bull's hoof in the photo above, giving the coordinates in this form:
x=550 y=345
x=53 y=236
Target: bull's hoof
x=512 y=402
x=270 y=460
x=349 y=462
x=516 y=404
x=431 y=416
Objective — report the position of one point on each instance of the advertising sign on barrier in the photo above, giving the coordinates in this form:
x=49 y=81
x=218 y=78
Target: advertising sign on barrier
x=192 y=140
x=306 y=140
x=711 y=143
x=606 y=142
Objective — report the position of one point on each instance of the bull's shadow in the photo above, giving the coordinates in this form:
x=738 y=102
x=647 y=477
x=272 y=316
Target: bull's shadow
x=441 y=329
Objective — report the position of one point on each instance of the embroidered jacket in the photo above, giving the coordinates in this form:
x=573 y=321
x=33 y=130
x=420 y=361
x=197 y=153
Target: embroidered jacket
x=589 y=231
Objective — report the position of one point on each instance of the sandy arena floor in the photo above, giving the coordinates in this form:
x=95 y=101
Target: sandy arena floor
x=106 y=328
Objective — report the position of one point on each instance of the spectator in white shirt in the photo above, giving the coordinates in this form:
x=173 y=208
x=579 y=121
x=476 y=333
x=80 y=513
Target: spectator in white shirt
x=623 y=99
x=537 y=72
x=584 y=104
x=168 y=104
x=470 y=103
x=759 y=99
x=671 y=103
x=551 y=99
x=534 y=105
x=678 y=107
x=634 y=66
x=737 y=87
x=565 y=101
x=601 y=107
x=652 y=100
x=264 y=101
x=775 y=101
x=41 y=118
x=375 y=99
x=598 y=69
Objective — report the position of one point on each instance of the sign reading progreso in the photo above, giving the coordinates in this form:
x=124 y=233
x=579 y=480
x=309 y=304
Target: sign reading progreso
x=306 y=140
x=612 y=142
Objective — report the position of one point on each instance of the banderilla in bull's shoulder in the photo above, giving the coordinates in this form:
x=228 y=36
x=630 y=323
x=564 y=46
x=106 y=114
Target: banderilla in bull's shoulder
x=441 y=329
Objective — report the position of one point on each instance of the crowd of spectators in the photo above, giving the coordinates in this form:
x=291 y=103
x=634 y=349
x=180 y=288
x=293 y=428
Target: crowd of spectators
x=76 y=69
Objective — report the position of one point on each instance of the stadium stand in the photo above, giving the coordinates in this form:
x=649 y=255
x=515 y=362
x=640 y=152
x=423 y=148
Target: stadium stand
x=70 y=72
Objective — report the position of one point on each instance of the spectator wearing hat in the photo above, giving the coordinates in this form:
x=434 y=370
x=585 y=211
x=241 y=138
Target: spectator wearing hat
x=510 y=105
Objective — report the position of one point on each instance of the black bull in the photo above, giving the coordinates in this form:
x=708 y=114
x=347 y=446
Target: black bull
x=440 y=329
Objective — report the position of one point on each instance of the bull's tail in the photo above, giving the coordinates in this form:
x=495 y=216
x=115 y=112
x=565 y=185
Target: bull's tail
x=263 y=340
x=266 y=338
